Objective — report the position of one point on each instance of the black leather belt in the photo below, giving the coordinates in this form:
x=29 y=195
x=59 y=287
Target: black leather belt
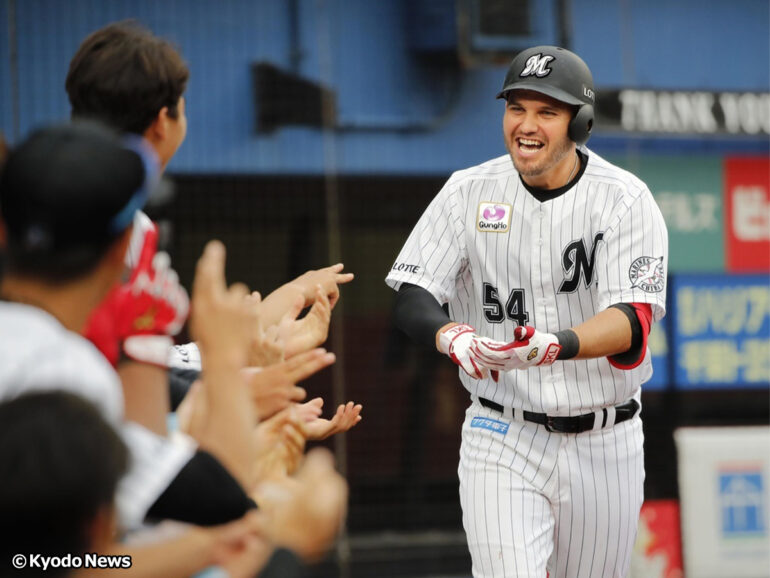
x=570 y=424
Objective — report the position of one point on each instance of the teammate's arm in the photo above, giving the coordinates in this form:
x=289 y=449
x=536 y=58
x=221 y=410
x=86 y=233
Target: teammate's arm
x=280 y=301
x=145 y=394
x=222 y=321
x=204 y=492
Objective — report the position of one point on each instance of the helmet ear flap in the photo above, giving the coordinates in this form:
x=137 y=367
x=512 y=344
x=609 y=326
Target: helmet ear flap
x=581 y=124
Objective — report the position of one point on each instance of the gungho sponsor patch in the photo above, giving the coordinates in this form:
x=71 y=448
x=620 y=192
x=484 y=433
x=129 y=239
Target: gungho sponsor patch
x=491 y=424
x=493 y=218
x=646 y=273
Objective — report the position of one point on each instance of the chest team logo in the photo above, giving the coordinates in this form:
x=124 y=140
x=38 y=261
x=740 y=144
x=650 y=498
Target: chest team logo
x=578 y=262
x=493 y=217
x=647 y=274
x=537 y=65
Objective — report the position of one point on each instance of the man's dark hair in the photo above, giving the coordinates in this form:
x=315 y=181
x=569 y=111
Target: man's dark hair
x=123 y=75
x=61 y=463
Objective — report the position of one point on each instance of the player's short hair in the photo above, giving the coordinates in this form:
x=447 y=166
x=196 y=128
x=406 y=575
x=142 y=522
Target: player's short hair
x=61 y=463
x=67 y=193
x=123 y=75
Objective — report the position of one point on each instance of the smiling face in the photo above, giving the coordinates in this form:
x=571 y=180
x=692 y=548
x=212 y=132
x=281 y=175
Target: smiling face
x=535 y=132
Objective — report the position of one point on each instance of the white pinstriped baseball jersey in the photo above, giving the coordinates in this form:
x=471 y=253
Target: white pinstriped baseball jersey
x=534 y=500
x=501 y=258
x=37 y=354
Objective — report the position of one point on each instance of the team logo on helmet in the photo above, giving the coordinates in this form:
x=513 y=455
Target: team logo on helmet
x=647 y=274
x=537 y=65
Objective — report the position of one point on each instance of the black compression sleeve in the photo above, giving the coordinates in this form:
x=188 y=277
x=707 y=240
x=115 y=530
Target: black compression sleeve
x=179 y=382
x=418 y=314
x=202 y=493
x=635 y=351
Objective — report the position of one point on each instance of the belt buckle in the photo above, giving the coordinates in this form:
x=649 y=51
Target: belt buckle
x=559 y=424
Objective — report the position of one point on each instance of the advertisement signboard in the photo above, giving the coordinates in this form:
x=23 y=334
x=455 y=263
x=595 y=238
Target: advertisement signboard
x=721 y=336
x=747 y=214
x=689 y=194
x=724 y=474
x=658 y=548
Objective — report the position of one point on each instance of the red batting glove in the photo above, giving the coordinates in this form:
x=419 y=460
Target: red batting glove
x=141 y=316
x=529 y=347
x=456 y=342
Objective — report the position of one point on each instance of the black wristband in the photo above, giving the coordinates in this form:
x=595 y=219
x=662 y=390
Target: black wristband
x=570 y=344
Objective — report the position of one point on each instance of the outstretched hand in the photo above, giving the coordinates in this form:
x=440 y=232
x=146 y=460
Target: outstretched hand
x=304 y=513
x=279 y=443
x=267 y=347
x=274 y=388
x=313 y=329
x=328 y=278
x=318 y=428
x=222 y=319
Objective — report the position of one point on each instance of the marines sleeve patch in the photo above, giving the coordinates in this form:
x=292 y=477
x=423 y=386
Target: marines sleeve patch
x=646 y=273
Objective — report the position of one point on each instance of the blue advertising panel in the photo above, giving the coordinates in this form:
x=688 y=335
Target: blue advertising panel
x=722 y=331
x=741 y=498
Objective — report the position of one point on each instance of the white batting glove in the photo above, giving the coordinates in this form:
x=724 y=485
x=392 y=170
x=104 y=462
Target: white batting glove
x=530 y=347
x=457 y=342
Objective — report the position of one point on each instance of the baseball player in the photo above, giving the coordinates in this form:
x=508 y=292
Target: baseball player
x=552 y=263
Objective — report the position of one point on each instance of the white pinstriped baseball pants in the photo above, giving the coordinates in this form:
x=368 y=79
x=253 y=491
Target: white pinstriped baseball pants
x=534 y=501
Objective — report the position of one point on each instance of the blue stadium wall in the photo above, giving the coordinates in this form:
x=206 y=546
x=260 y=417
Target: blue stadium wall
x=401 y=112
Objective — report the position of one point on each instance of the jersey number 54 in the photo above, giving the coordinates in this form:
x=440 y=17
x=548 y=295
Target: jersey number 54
x=515 y=308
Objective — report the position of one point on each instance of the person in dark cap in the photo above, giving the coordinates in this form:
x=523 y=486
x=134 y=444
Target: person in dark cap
x=49 y=236
x=68 y=195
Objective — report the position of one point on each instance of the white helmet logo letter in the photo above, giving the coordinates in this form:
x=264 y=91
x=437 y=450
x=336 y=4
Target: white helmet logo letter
x=536 y=65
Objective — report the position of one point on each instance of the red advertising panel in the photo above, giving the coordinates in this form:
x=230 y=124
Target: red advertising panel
x=658 y=549
x=747 y=214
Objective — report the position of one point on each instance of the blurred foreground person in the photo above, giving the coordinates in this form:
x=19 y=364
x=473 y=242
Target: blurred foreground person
x=61 y=466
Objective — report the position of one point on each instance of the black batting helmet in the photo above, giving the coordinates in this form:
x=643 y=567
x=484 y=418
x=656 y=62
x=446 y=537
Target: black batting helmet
x=560 y=74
